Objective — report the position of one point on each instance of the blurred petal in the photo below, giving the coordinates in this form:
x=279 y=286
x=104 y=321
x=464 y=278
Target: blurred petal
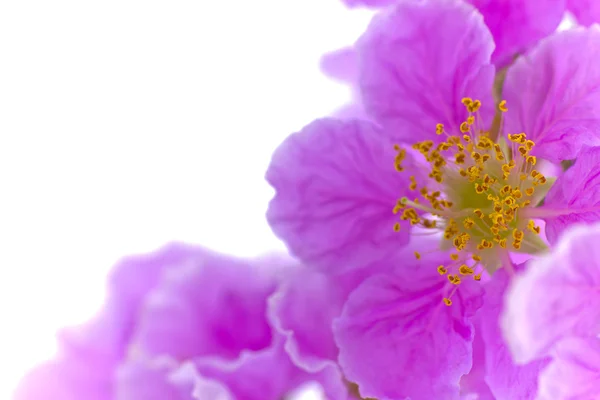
x=574 y=373
x=336 y=187
x=137 y=380
x=398 y=340
x=552 y=94
x=341 y=64
x=367 y=3
x=65 y=379
x=556 y=297
x=211 y=305
x=587 y=12
x=505 y=378
x=418 y=59
x=577 y=192
x=267 y=374
x=517 y=25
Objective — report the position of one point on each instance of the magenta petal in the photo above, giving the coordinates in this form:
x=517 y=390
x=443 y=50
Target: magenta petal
x=336 y=187
x=211 y=305
x=149 y=380
x=517 y=25
x=574 y=373
x=576 y=191
x=303 y=310
x=341 y=64
x=267 y=374
x=398 y=340
x=418 y=60
x=553 y=94
x=556 y=297
x=587 y=12
x=505 y=378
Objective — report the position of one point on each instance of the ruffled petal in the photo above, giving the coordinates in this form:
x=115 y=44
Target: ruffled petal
x=556 y=297
x=587 y=12
x=150 y=380
x=418 y=59
x=505 y=378
x=574 y=373
x=553 y=94
x=267 y=374
x=576 y=194
x=336 y=187
x=473 y=385
x=517 y=25
x=398 y=340
x=211 y=305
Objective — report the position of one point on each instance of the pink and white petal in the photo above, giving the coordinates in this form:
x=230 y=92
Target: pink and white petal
x=587 y=12
x=556 y=297
x=574 y=373
x=418 y=59
x=65 y=379
x=398 y=340
x=368 y=3
x=150 y=380
x=576 y=194
x=517 y=25
x=336 y=187
x=505 y=378
x=553 y=92
x=341 y=64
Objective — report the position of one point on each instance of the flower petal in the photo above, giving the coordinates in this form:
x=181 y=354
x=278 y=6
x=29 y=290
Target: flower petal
x=65 y=379
x=517 y=25
x=398 y=340
x=418 y=59
x=577 y=192
x=505 y=378
x=556 y=297
x=137 y=380
x=367 y=3
x=587 y=12
x=267 y=374
x=553 y=93
x=336 y=187
x=341 y=64
x=574 y=373
x=211 y=305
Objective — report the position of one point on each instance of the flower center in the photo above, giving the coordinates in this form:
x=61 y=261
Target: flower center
x=475 y=193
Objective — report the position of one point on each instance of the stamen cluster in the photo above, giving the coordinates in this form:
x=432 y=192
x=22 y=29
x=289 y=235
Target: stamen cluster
x=476 y=188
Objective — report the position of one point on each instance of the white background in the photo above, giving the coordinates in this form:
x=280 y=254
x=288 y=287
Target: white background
x=126 y=124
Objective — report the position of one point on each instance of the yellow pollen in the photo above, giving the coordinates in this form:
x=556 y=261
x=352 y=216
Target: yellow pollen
x=477 y=277
x=454 y=256
x=465 y=270
x=417 y=255
x=442 y=270
x=439 y=129
x=502 y=106
x=464 y=127
x=397 y=227
x=447 y=301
